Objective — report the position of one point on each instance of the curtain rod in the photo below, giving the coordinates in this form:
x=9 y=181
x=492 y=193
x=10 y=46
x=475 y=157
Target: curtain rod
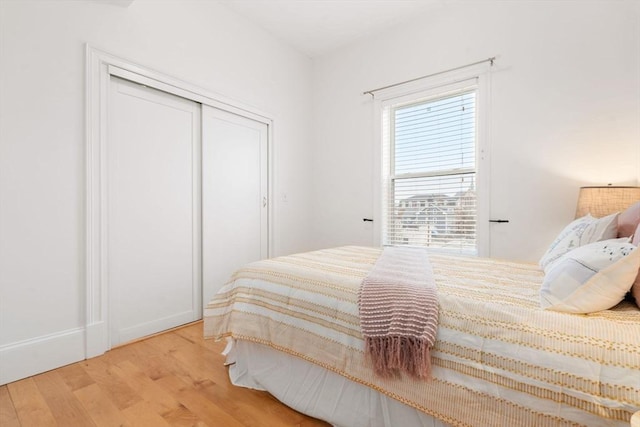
x=372 y=91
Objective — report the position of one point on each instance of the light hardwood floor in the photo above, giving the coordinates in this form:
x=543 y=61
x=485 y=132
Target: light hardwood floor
x=173 y=379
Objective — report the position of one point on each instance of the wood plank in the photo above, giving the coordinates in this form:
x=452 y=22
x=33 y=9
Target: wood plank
x=103 y=411
x=29 y=404
x=170 y=348
x=117 y=390
x=169 y=342
x=64 y=407
x=8 y=416
x=146 y=388
x=198 y=404
x=156 y=363
x=74 y=376
x=234 y=407
x=143 y=414
x=183 y=417
x=198 y=360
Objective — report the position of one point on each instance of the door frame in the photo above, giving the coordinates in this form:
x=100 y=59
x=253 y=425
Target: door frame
x=100 y=66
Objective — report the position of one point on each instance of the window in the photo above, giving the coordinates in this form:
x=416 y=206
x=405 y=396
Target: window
x=429 y=193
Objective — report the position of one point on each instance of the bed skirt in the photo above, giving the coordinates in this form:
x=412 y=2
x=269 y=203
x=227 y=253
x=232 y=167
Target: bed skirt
x=319 y=393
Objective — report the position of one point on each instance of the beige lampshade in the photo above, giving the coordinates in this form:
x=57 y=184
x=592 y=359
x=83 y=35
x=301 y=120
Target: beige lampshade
x=602 y=201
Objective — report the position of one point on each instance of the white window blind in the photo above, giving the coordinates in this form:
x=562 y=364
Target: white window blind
x=430 y=180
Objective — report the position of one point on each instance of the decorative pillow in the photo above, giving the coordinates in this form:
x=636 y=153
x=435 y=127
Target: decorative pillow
x=628 y=220
x=591 y=278
x=580 y=232
x=635 y=289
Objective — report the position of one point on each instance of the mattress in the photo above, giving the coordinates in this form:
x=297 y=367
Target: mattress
x=498 y=359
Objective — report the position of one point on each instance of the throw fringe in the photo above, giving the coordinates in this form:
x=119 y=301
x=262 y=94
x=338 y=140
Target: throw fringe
x=392 y=355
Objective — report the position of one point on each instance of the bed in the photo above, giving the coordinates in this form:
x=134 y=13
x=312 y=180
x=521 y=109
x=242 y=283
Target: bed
x=499 y=359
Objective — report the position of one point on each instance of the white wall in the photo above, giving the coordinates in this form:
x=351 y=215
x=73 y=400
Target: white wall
x=565 y=111
x=42 y=164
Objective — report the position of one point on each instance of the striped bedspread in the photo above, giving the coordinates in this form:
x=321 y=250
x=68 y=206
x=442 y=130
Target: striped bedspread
x=499 y=360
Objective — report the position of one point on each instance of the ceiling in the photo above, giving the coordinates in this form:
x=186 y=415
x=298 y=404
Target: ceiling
x=315 y=27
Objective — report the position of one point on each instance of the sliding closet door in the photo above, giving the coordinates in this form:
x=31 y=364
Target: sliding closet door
x=153 y=211
x=234 y=195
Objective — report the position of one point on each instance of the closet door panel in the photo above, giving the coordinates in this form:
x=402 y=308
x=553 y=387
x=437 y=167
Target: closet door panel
x=234 y=185
x=153 y=204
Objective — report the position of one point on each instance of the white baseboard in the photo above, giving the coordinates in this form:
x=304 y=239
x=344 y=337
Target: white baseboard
x=30 y=357
x=97 y=339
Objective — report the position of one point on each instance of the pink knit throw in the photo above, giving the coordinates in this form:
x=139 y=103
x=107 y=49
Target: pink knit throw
x=398 y=307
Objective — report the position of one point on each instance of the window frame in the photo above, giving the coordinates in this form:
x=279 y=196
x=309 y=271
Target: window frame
x=475 y=78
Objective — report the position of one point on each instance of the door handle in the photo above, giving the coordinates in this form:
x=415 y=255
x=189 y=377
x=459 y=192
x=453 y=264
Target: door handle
x=264 y=202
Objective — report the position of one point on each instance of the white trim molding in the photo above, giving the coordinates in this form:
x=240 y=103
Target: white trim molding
x=100 y=66
x=36 y=355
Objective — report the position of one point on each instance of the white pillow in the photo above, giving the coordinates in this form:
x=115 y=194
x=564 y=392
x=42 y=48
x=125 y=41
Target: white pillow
x=580 y=232
x=591 y=278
